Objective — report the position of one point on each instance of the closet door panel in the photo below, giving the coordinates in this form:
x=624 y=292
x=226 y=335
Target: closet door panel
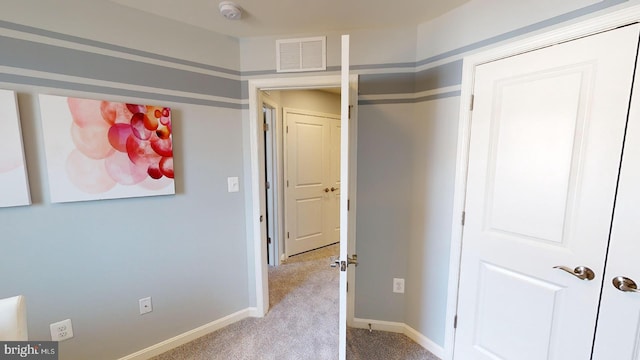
x=618 y=331
x=544 y=154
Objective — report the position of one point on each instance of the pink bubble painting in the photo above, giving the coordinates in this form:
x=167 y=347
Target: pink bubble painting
x=105 y=150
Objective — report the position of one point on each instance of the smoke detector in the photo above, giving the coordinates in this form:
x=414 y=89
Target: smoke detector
x=230 y=10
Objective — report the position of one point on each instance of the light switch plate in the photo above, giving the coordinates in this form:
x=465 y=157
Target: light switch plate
x=233 y=184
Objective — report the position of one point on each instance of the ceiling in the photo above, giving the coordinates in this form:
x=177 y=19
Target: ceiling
x=279 y=17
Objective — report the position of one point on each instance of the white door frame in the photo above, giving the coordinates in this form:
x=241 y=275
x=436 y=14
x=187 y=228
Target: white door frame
x=257 y=186
x=602 y=23
x=273 y=175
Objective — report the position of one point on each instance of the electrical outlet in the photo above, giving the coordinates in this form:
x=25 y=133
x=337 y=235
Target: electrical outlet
x=61 y=331
x=398 y=285
x=145 y=305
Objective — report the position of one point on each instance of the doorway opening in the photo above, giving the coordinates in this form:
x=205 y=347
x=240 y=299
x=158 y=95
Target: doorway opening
x=302 y=170
x=258 y=200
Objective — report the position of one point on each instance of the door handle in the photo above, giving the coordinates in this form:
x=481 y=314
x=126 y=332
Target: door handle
x=334 y=189
x=326 y=190
x=351 y=260
x=625 y=284
x=581 y=272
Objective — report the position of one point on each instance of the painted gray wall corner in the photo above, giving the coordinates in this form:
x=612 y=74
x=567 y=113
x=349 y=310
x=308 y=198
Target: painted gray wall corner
x=385 y=172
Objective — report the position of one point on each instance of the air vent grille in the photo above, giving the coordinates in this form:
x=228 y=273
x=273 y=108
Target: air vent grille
x=308 y=54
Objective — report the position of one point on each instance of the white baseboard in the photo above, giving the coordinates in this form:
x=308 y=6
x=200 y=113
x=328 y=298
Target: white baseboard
x=191 y=335
x=203 y=330
x=380 y=325
x=401 y=328
x=424 y=341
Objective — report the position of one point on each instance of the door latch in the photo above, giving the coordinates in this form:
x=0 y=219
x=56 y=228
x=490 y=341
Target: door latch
x=351 y=260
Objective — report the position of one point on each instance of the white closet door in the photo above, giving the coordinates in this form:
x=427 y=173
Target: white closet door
x=545 y=146
x=312 y=211
x=618 y=331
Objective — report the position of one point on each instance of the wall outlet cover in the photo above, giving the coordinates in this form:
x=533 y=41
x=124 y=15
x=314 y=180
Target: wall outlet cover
x=398 y=285
x=61 y=331
x=145 y=305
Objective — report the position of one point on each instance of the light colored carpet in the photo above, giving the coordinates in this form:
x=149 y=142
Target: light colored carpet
x=302 y=323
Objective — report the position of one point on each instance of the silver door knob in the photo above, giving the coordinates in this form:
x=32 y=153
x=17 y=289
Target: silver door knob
x=625 y=284
x=581 y=272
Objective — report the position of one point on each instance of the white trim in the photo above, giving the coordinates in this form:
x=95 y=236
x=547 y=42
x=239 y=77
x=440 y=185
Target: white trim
x=424 y=341
x=602 y=23
x=401 y=328
x=256 y=187
x=404 y=96
x=190 y=335
x=379 y=325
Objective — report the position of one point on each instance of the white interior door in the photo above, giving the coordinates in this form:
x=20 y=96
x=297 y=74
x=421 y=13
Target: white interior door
x=345 y=175
x=618 y=331
x=546 y=134
x=310 y=189
x=270 y=174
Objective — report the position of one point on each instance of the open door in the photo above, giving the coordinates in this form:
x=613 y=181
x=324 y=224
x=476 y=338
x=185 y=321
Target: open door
x=345 y=259
x=345 y=190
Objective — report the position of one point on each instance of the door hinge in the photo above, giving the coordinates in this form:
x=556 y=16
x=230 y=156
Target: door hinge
x=347 y=286
x=287 y=234
x=455 y=322
x=349 y=112
x=269 y=240
x=267 y=185
x=287 y=129
x=287 y=183
x=472 y=101
x=464 y=215
x=265 y=126
x=348 y=204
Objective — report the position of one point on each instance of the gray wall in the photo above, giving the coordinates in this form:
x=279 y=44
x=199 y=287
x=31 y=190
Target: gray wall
x=92 y=261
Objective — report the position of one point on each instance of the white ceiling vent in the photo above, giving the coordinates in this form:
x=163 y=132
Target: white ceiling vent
x=308 y=54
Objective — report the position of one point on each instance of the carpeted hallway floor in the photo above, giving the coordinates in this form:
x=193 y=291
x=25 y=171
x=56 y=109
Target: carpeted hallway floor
x=302 y=323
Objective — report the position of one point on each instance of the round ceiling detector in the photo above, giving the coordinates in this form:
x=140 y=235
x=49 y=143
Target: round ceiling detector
x=230 y=10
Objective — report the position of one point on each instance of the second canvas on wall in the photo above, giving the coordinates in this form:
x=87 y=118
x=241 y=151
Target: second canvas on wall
x=14 y=187
x=106 y=150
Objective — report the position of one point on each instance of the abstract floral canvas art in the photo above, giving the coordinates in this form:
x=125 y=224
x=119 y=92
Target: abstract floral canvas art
x=14 y=187
x=106 y=150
